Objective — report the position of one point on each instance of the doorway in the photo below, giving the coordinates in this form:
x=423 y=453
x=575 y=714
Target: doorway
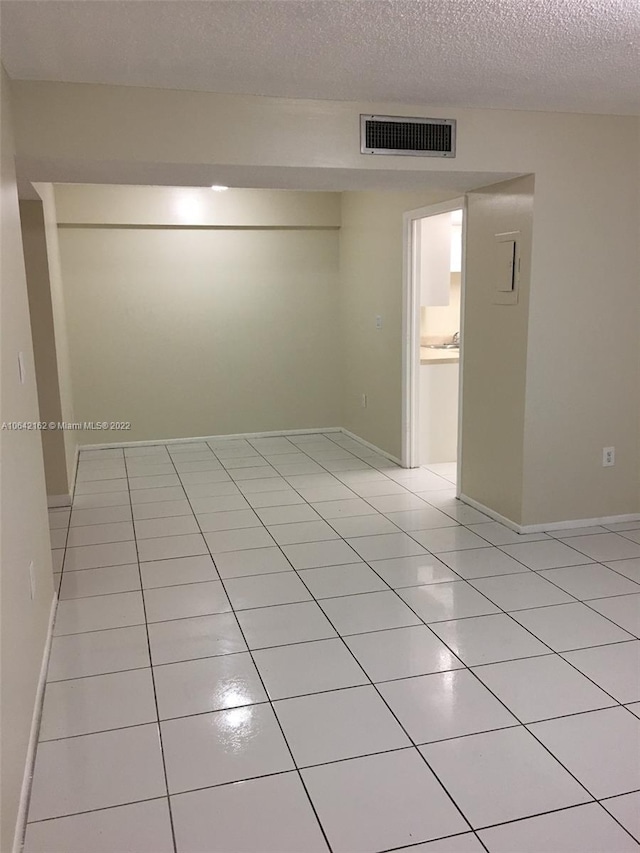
x=432 y=323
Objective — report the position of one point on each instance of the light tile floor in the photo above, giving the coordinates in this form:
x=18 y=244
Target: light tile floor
x=291 y=645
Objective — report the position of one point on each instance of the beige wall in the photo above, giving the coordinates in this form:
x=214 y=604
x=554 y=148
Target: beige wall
x=202 y=331
x=44 y=345
x=184 y=206
x=583 y=351
x=46 y=193
x=582 y=358
x=495 y=350
x=24 y=532
x=371 y=249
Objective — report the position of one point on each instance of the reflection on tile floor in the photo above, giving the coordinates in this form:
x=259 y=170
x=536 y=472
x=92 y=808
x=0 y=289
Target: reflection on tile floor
x=291 y=645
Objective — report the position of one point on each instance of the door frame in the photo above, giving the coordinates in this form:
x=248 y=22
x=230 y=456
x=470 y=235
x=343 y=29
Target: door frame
x=411 y=331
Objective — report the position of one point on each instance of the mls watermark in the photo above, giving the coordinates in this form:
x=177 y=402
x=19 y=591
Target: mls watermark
x=27 y=426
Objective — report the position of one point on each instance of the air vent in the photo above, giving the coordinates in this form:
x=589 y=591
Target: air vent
x=418 y=137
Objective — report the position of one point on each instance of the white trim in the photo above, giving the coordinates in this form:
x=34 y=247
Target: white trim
x=463 y=290
x=551 y=525
x=368 y=444
x=54 y=501
x=518 y=528
x=579 y=522
x=411 y=327
x=230 y=437
x=491 y=513
x=25 y=793
x=239 y=435
x=410 y=341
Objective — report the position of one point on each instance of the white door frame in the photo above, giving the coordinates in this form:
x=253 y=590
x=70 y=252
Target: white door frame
x=411 y=330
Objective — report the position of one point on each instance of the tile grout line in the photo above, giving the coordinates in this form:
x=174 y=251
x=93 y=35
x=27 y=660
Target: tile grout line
x=428 y=625
x=526 y=726
x=381 y=697
x=497 y=698
x=44 y=693
x=259 y=455
x=266 y=692
x=362 y=562
x=100 y=808
x=465 y=666
x=153 y=680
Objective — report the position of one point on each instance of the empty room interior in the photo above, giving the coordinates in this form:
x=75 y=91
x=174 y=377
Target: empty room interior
x=320 y=446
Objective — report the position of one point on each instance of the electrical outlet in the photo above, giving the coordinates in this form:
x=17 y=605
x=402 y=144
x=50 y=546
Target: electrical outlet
x=378 y=321
x=608 y=457
x=32 y=579
x=364 y=401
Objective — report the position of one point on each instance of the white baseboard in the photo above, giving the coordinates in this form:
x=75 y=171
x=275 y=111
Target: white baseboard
x=491 y=513
x=25 y=793
x=65 y=500
x=242 y=435
x=579 y=522
x=552 y=525
x=54 y=501
x=369 y=445
x=229 y=437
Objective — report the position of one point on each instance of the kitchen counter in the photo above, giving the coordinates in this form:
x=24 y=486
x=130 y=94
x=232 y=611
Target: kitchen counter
x=439 y=356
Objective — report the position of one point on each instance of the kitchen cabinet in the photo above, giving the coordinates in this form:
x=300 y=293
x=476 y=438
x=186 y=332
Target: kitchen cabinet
x=438 y=412
x=433 y=259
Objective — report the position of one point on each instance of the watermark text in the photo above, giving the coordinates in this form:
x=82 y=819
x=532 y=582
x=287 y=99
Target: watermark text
x=27 y=426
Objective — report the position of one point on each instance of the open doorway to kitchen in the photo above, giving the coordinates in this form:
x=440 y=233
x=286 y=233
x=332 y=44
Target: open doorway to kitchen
x=432 y=313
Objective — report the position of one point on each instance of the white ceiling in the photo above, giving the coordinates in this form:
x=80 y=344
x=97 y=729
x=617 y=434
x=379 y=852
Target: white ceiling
x=569 y=55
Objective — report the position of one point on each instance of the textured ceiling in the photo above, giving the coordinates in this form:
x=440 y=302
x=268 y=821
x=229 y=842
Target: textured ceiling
x=570 y=55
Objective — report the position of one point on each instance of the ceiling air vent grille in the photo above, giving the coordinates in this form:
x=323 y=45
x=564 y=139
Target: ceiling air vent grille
x=419 y=137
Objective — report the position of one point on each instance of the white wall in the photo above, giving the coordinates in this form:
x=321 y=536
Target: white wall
x=582 y=327
x=24 y=532
x=204 y=330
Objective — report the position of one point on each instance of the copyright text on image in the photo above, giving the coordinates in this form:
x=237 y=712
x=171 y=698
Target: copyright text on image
x=27 y=426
